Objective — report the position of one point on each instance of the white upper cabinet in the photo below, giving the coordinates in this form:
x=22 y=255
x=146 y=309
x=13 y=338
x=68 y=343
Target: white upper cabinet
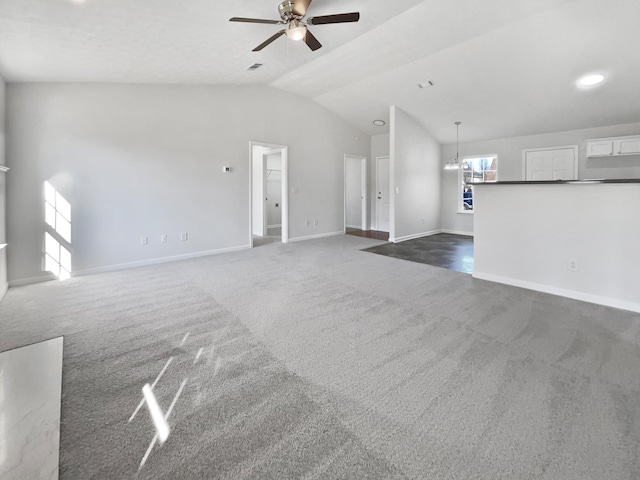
x=611 y=147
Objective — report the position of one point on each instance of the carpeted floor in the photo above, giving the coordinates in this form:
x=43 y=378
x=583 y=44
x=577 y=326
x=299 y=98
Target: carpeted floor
x=317 y=360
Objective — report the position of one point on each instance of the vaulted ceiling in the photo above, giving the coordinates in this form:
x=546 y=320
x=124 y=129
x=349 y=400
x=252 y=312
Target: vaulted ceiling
x=502 y=67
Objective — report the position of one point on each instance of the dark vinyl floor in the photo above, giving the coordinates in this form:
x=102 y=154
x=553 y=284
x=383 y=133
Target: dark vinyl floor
x=368 y=233
x=445 y=250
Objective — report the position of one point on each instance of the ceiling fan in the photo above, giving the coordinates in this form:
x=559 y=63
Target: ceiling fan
x=292 y=13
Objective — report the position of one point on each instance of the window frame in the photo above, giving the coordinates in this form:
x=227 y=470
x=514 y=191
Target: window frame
x=461 y=183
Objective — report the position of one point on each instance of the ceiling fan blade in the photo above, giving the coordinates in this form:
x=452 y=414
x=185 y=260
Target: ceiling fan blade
x=311 y=41
x=300 y=7
x=269 y=40
x=255 y=20
x=338 y=18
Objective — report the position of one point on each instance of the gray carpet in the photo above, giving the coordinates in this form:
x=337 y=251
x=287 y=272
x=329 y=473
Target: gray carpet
x=316 y=360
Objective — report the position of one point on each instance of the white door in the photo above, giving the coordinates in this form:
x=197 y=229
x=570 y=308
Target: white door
x=354 y=192
x=383 y=189
x=551 y=164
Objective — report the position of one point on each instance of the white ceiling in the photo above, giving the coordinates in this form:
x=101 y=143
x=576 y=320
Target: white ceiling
x=501 y=67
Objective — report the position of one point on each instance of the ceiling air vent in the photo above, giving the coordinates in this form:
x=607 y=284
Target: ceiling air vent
x=255 y=66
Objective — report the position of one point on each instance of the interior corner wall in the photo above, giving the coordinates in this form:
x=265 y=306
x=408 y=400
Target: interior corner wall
x=415 y=179
x=3 y=194
x=380 y=145
x=146 y=160
x=509 y=151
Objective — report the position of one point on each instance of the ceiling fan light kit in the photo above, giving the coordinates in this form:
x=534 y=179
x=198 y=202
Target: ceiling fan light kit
x=292 y=14
x=296 y=30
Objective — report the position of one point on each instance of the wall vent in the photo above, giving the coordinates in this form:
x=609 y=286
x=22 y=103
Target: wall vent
x=427 y=84
x=255 y=66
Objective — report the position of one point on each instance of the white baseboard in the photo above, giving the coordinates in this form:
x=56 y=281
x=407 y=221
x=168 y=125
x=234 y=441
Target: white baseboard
x=414 y=236
x=358 y=227
x=320 y=235
x=457 y=232
x=124 y=266
x=157 y=261
x=45 y=277
x=274 y=226
x=576 y=295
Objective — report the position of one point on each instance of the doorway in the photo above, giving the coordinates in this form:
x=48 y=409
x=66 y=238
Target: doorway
x=383 y=191
x=269 y=203
x=355 y=193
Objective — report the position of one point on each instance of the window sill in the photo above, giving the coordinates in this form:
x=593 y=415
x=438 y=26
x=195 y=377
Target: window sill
x=465 y=212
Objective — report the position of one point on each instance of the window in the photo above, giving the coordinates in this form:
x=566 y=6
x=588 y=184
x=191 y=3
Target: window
x=57 y=215
x=474 y=170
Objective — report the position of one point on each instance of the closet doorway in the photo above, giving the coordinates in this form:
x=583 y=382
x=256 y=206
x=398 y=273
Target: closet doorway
x=269 y=199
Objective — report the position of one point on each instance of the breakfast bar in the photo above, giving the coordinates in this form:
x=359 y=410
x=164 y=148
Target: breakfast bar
x=577 y=238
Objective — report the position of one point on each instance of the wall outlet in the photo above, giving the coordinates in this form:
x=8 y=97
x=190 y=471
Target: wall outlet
x=307 y=223
x=163 y=238
x=184 y=236
x=315 y=222
x=144 y=241
x=294 y=190
x=572 y=264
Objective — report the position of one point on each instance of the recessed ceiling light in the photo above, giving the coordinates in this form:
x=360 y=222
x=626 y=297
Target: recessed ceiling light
x=591 y=80
x=379 y=123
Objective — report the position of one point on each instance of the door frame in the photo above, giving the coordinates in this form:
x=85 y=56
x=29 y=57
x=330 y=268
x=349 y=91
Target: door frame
x=285 y=187
x=363 y=190
x=377 y=190
x=563 y=147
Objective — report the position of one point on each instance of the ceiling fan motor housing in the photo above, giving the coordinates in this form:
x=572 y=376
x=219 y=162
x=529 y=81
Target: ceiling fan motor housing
x=285 y=9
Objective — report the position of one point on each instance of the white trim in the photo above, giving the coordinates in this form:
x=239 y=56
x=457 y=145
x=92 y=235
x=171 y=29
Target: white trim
x=3 y=169
x=4 y=291
x=353 y=226
x=3 y=245
x=414 y=236
x=574 y=294
x=320 y=235
x=457 y=232
x=274 y=226
x=563 y=147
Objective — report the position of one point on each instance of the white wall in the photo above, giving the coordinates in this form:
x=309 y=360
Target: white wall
x=509 y=151
x=415 y=179
x=380 y=145
x=274 y=189
x=3 y=182
x=529 y=242
x=353 y=192
x=138 y=160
